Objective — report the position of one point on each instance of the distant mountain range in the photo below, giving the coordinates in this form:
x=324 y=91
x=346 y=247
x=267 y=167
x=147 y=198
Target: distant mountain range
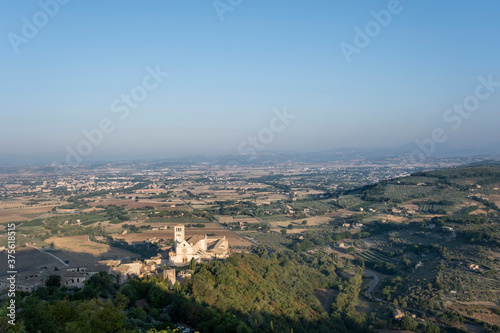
x=339 y=154
x=352 y=153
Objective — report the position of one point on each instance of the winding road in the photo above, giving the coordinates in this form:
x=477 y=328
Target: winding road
x=375 y=282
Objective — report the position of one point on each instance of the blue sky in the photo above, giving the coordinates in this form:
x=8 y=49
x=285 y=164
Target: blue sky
x=226 y=77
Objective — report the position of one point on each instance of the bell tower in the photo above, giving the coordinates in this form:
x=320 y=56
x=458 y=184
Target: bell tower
x=179 y=233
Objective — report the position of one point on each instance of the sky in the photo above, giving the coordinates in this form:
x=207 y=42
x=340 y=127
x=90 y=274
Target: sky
x=98 y=80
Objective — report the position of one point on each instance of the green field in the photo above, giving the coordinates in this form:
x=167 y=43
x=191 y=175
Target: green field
x=375 y=256
x=273 y=241
x=275 y=218
x=181 y=219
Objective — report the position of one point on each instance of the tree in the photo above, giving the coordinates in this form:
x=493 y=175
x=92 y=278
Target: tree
x=409 y=324
x=192 y=264
x=121 y=300
x=158 y=294
x=177 y=287
x=54 y=281
x=362 y=263
x=128 y=291
x=431 y=328
x=290 y=226
x=140 y=314
x=283 y=231
x=262 y=251
x=62 y=312
x=97 y=316
x=36 y=316
x=304 y=222
x=103 y=283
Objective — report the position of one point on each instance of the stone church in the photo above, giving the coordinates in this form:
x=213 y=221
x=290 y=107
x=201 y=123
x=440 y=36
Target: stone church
x=201 y=248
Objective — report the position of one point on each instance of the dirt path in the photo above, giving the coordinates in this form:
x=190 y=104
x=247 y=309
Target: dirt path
x=375 y=282
x=50 y=254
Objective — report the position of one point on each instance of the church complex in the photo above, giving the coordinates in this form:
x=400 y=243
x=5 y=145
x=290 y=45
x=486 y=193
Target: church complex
x=201 y=248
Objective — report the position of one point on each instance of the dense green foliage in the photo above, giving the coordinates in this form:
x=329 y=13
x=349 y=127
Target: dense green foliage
x=246 y=293
x=263 y=290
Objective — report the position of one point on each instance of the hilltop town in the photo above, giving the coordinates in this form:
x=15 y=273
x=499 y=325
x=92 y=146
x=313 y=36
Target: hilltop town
x=196 y=249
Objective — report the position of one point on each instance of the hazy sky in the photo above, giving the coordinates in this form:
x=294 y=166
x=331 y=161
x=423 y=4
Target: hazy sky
x=348 y=79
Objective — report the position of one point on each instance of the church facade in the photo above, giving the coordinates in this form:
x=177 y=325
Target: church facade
x=201 y=248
